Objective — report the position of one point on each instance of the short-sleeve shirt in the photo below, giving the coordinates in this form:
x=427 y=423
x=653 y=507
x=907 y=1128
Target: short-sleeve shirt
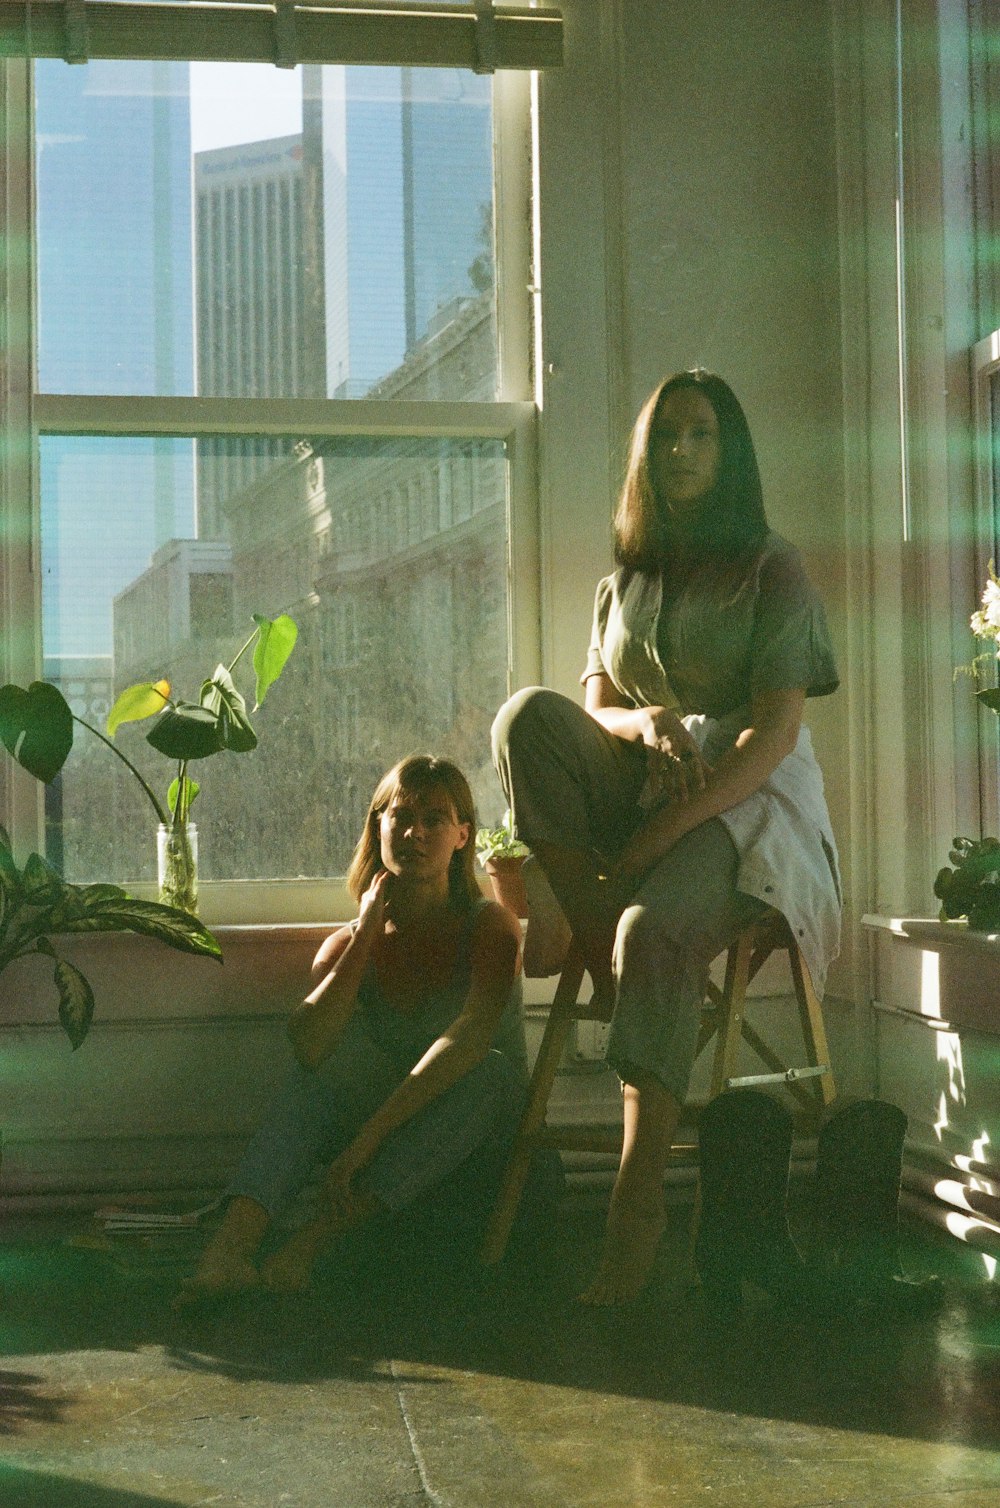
x=731 y=631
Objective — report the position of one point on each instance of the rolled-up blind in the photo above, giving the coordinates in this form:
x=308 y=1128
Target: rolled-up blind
x=479 y=35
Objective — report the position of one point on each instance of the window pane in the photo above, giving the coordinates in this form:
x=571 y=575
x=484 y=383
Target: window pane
x=391 y=556
x=243 y=231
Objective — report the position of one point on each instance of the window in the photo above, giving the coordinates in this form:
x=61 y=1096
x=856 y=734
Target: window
x=270 y=336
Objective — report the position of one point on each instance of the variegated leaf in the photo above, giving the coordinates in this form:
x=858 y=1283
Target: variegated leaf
x=76 y=1002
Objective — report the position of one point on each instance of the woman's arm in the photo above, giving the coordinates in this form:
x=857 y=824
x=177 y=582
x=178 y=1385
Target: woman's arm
x=775 y=720
x=646 y=725
x=495 y=945
x=674 y=758
x=316 y=1025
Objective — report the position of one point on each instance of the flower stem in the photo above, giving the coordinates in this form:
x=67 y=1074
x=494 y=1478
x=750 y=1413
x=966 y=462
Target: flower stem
x=158 y=809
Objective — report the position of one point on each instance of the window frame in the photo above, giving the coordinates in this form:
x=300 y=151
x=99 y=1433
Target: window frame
x=25 y=413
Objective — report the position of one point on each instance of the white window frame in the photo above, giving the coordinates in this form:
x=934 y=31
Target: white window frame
x=512 y=419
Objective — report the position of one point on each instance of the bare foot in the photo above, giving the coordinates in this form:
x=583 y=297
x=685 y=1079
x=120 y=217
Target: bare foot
x=217 y=1275
x=635 y=1224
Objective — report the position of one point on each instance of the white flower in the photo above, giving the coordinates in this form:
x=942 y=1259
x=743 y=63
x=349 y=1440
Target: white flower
x=991 y=605
x=979 y=626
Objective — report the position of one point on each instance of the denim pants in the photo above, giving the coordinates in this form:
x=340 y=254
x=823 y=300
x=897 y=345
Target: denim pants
x=319 y=1111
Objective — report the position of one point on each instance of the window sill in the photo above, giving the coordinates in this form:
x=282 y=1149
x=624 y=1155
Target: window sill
x=940 y=972
x=263 y=902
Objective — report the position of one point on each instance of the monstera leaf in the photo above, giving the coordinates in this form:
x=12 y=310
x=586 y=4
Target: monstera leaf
x=185 y=731
x=220 y=697
x=37 y=727
x=275 y=643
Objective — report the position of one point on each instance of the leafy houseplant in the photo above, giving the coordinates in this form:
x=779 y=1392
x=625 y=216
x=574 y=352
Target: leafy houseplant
x=501 y=854
x=37 y=727
x=36 y=903
x=972 y=887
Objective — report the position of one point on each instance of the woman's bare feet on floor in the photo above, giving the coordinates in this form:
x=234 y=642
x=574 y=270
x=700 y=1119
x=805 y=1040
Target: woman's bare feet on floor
x=635 y=1224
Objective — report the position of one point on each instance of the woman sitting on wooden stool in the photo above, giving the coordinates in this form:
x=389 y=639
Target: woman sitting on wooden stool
x=409 y=1047
x=685 y=799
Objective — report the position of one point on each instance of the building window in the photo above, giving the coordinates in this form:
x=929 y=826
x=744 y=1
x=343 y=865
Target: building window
x=215 y=246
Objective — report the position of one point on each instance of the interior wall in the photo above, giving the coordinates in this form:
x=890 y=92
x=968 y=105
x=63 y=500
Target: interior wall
x=690 y=190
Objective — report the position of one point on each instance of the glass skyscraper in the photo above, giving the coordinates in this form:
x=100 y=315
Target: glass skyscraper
x=115 y=287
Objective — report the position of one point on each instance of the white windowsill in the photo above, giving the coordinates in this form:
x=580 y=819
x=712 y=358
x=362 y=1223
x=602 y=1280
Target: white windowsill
x=941 y=973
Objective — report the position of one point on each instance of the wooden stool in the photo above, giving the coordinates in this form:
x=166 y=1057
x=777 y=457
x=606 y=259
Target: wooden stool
x=722 y=1017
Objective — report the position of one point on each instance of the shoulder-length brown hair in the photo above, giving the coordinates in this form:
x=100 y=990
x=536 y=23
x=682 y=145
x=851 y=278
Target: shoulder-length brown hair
x=418 y=775
x=731 y=519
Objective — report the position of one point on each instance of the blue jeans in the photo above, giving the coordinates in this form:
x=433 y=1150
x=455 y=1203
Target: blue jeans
x=319 y=1111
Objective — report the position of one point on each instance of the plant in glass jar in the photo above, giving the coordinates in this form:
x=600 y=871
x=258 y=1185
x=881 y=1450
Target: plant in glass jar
x=36 y=725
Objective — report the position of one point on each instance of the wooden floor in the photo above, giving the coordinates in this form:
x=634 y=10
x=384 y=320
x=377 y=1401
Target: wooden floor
x=411 y=1378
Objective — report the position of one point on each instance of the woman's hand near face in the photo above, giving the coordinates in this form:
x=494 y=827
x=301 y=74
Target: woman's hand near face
x=371 y=911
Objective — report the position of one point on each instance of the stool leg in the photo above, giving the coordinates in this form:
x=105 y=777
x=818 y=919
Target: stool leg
x=547 y=1063
x=813 y=1027
x=731 y=1008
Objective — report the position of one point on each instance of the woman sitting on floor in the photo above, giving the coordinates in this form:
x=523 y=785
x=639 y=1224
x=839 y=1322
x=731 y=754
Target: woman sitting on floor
x=685 y=800
x=409 y=1048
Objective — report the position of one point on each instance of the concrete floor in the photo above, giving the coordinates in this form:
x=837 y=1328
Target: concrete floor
x=411 y=1378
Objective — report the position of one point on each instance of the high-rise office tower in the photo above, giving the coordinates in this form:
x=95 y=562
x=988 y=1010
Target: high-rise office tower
x=114 y=316
x=249 y=278
x=403 y=159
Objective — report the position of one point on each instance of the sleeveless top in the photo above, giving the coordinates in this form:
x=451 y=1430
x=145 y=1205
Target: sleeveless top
x=404 y=1036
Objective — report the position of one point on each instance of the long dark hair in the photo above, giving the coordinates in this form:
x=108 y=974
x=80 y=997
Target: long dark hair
x=731 y=518
x=419 y=775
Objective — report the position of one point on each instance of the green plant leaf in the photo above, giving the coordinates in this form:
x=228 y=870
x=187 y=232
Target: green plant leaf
x=43 y=885
x=5 y=843
x=76 y=1002
x=37 y=727
x=149 y=919
x=990 y=697
x=275 y=643
x=185 y=731
x=221 y=698
x=137 y=702
x=192 y=788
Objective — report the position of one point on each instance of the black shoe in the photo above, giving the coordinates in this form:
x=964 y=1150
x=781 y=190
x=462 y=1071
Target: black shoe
x=854 y=1256
x=745 y=1143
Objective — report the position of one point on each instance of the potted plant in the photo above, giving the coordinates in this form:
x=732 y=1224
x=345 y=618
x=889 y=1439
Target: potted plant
x=37 y=727
x=972 y=888
x=502 y=854
x=36 y=903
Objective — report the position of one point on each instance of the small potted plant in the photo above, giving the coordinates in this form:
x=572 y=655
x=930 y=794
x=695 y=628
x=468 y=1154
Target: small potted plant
x=502 y=854
x=36 y=903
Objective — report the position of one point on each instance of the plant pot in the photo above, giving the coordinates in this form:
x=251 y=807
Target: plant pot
x=507 y=880
x=177 y=866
